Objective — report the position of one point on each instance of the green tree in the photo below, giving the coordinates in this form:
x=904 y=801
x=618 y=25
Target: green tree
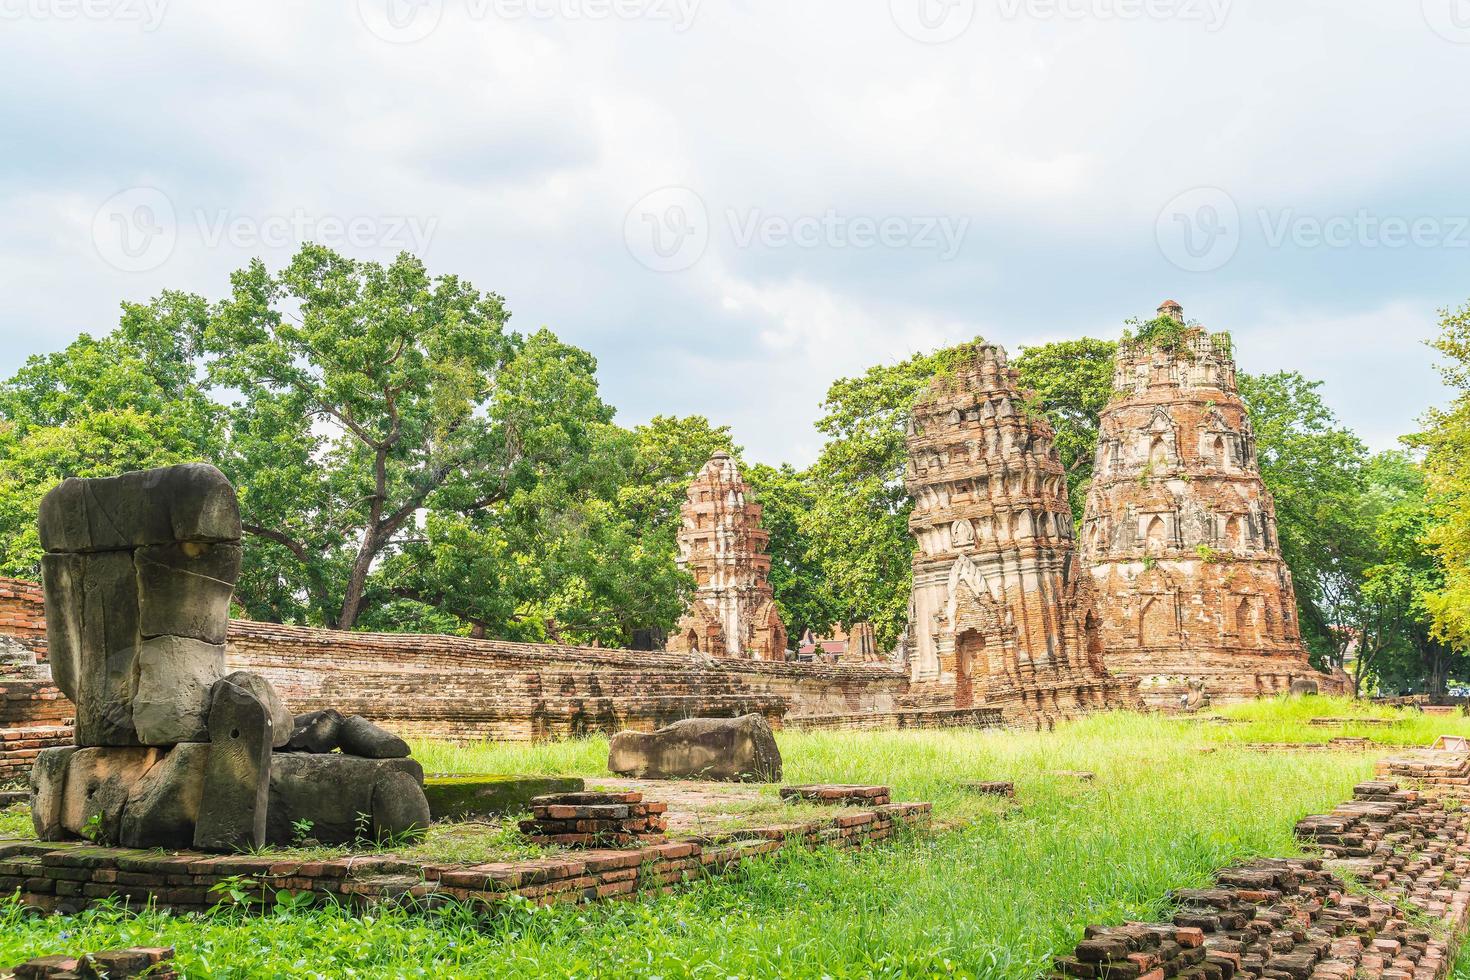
x=1313 y=467
x=1072 y=381
x=1446 y=441
x=100 y=407
x=858 y=524
x=787 y=497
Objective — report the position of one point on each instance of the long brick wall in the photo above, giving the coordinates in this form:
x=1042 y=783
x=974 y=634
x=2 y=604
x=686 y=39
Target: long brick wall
x=70 y=876
x=455 y=687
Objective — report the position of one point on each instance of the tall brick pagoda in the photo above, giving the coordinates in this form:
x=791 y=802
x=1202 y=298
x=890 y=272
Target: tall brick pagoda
x=722 y=544
x=1001 y=614
x=1180 y=532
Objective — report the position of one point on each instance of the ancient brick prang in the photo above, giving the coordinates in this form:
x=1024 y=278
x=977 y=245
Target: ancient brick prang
x=1000 y=614
x=1180 y=532
x=722 y=545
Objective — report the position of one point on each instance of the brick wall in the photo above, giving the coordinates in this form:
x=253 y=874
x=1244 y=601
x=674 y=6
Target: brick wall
x=23 y=614
x=69 y=876
x=455 y=687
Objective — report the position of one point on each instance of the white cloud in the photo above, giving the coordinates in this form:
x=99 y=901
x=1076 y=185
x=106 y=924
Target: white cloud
x=526 y=141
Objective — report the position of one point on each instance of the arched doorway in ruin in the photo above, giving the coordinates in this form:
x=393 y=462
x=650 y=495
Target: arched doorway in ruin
x=969 y=658
x=1093 y=641
x=1154 y=534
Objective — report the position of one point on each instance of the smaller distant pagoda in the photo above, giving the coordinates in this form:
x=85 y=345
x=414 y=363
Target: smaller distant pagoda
x=722 y=544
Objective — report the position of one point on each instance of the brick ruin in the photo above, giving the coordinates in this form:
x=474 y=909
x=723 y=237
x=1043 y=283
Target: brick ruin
x=458 y=687
x=1180 y=532
x=722 y=544
x=1000 y=613
x=1386 y=897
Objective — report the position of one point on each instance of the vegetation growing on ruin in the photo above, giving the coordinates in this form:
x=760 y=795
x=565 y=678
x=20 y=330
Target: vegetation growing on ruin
x=997 y=889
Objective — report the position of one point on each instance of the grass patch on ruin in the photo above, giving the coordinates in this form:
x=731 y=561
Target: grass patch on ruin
x=1288 y=719
x=997 y=892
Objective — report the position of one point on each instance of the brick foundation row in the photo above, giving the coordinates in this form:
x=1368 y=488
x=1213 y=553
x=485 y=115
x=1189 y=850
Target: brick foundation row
x=1299 y=920
x=68 y=877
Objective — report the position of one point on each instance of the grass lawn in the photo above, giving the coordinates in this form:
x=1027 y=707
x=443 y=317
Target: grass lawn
x=996 y=890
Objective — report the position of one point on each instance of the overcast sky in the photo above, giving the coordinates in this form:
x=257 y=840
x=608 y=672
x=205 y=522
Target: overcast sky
x=733 y=202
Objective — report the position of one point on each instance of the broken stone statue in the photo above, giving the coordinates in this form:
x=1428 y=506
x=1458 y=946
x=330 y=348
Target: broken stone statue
x=172 y=750
x=725 y=749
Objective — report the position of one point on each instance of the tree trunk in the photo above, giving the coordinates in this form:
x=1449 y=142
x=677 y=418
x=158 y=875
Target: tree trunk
x=357 y=583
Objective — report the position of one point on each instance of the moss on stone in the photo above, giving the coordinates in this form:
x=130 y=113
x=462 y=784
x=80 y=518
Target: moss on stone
x=457 y=797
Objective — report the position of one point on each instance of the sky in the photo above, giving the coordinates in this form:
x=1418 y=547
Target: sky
x=731 y=203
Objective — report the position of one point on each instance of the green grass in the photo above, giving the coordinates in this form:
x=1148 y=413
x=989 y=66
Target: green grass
x=1285 y=719
x=1005 y=887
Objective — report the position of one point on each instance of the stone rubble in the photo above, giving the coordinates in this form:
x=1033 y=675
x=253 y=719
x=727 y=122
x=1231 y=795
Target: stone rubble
x=1299 y=920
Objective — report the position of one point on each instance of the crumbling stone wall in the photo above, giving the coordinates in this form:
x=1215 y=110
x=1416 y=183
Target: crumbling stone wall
x=722 y=544
x=1000 y=613
x=1180 y=533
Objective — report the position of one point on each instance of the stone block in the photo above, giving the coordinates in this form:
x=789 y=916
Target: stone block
x=190 y=502
x=48 y=791
x=184 y=588
x=171 y=701
x=358 y=736
x=339 y=795
x=399 y=807
x=316 y=731
x=97 y=786
x=282 y=723
x=727 y=749
x=232 y=815
x=61 y=580
x=110 y=638
x=457 y=797
x=163 y=807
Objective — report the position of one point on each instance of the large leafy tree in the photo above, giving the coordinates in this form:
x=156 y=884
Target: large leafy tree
x=100 y=407
x=1313 y=467
x=1072 y=381
x=1391 y=620
x=403 y=460
x=1446 y=441
x=803 y=594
